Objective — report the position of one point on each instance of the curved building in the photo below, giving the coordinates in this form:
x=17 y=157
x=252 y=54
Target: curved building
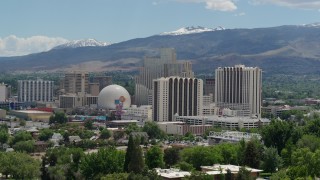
x=112 y=95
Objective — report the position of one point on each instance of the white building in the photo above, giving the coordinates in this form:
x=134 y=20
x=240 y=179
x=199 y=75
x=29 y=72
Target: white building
x=4 y=92
x=239 y=89
x=155 y=67
x=35 y=90
x=224 y=121
x=142 y=113
x=176 y=95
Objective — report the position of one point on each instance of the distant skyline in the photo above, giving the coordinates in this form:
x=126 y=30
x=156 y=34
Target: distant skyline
x=30 y=26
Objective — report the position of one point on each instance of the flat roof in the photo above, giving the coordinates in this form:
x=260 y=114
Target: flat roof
x=32 y=112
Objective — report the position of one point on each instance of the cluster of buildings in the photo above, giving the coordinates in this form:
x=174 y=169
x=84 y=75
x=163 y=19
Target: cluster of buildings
x=166 y=91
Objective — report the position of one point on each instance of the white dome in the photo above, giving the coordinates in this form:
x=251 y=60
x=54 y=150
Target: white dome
x=113 y=94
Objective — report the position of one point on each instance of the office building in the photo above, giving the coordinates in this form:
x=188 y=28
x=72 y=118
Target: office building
x=156 y=67
x=103 y=81
x=209 y=87
x=35 y=90
x=142 y=113
x=77 y=100
x=239 y=89
x=4 y=92
x=76 y=82
x=94 y=89
x=176 y=96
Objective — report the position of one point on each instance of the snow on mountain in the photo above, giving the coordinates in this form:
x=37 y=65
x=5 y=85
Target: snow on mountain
x=317 y=24
x=82 y=43
x=192 y=30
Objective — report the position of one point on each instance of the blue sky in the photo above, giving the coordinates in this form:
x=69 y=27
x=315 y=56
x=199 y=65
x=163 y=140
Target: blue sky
x=32 y=24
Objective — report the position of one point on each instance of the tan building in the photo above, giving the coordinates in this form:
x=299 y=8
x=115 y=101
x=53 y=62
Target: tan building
x=3 y=113
x=76 y=82
x=77 y=100
x=41 y=116
x=4 y=92
x=156 y=67
x=176 y=95
x=94 y=89
x=239 y=89
x=103 y=81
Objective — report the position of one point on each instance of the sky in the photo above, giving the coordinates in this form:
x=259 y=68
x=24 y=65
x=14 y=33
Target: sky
x=29 y=26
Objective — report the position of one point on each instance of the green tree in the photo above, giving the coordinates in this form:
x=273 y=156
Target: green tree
x=58 y=118
x=280 y=175
x=118 y=176
x=243 y=174
x=252 y=155
x=136 y=163
x=184 y=166
x=313 y=127
x=105 y=161
x=129 y=152
x=310 y=141
x=19 y=165
x=277 y=134
x=4 y=136
x=271 y=160
x=133 y=127
x=88 y=124
x=105 y=134
x=171 y=156
x=154 y=157
x=24 y=146
x=21 y=136
x=153 y=130
x=45 y=134
x=196 y=175
x=118 y=135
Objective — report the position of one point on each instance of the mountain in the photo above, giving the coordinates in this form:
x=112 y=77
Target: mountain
x=191 y=30
x=82 y=43
x=277 y=50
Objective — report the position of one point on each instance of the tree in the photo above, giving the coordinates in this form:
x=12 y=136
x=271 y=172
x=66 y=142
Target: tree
x=136 y=164
x=252 y=155
x=243 y=174
x=196 y=175
x=132 y=128
x=88 y=124
x=21 y=136
x=130 y=149
x=19 y=165
x=45 y=134
x=4 y=136
x=24 y=146
x=105 y=161
x=153 y=130
x=154 y=157
x=271 y=160
x=58 y=118
x=105 y=134
x=277 y=134
x=118 y=135
x=118 y=176
x=184 y=166
x=310 y=141
x=171 y=156
x=280 y=175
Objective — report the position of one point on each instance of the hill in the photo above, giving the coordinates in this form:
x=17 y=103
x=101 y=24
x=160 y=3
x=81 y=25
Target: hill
x=283 y=49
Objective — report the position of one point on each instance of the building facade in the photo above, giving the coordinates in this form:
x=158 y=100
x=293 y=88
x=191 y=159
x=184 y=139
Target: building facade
x=103 y=81
x=76 y=82
x=209 y=87
x=176 y=95
x=239 y=89
x=4 y=92
x=35 y=90
x=142 y=113
x=77 y=100
x=155 y=67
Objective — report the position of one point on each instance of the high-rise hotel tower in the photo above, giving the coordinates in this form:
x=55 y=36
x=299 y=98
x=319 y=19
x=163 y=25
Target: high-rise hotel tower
x=35 y=90
x=176 y=95
x=155 y=67
x=239 y=89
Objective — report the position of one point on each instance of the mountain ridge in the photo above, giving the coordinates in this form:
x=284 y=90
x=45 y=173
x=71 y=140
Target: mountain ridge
x=283 y=49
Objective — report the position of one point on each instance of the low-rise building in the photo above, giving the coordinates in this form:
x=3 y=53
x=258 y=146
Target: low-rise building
x=142 y=113
x=224 y=121
x=77 y=100
x=171 y=174
x=217 y=169
x=32 y=115
x=181 y=128
x=3 y=113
